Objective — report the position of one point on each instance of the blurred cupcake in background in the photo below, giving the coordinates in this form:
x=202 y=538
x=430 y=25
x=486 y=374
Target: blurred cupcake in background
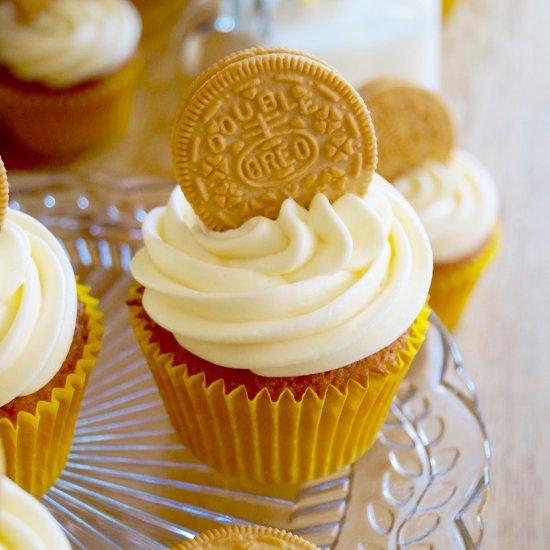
x=24 y=523
x=451 y=191
x=68 y=70
x=50 y=336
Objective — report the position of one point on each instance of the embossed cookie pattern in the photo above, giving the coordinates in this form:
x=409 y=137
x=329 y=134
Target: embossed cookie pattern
x=412 y=125
x=266 y=128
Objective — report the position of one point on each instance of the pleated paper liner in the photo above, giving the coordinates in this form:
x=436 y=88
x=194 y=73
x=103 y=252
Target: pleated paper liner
x=282 y=441
x=452 y=284
x=37 y=446
x=57 y=125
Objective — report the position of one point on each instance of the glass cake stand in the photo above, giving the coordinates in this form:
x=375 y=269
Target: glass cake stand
x=130 y=483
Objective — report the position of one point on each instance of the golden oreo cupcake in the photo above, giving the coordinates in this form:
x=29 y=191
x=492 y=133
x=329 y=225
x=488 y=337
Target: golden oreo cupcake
x=282 y=289
x=450 y=190
x=50 y=335
x=68 y=71
x=24 y=522
x=237 y=537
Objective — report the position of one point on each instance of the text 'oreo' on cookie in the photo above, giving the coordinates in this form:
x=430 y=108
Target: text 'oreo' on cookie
x=266 y=125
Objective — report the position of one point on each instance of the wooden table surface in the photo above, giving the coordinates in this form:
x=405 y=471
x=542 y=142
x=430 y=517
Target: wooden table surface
x=496 y=75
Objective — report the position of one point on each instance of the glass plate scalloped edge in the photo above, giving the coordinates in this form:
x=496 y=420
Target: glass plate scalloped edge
x=130 y=483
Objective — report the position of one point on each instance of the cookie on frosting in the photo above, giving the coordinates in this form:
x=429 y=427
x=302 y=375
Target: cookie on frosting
x=265 y=126
x=412 y=125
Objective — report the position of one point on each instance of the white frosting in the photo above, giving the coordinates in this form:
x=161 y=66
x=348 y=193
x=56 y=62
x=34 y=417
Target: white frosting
x=71 y=41
x=457 y=203
x=309 y=292
x=25 y=524
x=38 y=304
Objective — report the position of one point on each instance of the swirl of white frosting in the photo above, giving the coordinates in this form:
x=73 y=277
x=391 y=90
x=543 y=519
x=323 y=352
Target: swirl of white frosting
x=457 y=203
x=38 y=304
x=311 y=291
x=71 y=41
x=25 y=523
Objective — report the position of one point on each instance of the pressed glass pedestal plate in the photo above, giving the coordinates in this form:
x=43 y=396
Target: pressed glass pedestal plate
x=130 y=483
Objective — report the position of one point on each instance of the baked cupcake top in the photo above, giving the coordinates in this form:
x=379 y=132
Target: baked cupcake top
x=452 y=193
x=38 y=303
x=69 y=41
x=24 y=522
x=240 y=537
x=320 y=280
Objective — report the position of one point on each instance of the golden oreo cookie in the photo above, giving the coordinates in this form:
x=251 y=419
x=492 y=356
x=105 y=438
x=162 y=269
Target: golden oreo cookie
x=412 y=125
x=267 y=126
x=250 y=537
x=4 y=193
x=208 y=73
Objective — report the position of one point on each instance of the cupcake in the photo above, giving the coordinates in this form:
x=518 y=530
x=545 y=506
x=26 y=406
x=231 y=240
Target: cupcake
x=237 y=537
x=281 y=291
x=67 y=75
x=450 y=190
x=24 y=522
x=50 y=335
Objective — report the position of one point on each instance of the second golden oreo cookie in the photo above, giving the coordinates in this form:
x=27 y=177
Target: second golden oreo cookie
x=266 y=127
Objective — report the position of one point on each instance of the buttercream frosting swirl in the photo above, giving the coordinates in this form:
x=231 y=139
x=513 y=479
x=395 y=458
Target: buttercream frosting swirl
x=311 y=291
x=457 y=202
x=71 y=41
x=25 y=523
x=38 y=303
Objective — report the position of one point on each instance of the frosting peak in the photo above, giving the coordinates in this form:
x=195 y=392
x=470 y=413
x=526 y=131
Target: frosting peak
x=38 y=305
x=311 y=291
x=71 y=41
x=457 y=202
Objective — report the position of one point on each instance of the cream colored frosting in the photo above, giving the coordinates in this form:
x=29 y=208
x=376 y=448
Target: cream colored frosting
x=38 y=304
x=25 y=524
x=311 y=291
x=457 y=203
x=71 y=41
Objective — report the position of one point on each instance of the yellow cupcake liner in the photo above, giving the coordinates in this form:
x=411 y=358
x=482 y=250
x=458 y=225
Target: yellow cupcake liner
x=452 y=284
x=282 y=441
x=37 y=446
x=447 y=6
x=60 y=124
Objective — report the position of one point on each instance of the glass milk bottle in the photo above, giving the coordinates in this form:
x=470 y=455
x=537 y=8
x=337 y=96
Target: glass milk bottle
x=360 y=38
x=363 y=38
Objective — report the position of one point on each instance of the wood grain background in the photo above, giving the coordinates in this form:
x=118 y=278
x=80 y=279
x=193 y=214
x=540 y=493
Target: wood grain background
x=496 y=76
